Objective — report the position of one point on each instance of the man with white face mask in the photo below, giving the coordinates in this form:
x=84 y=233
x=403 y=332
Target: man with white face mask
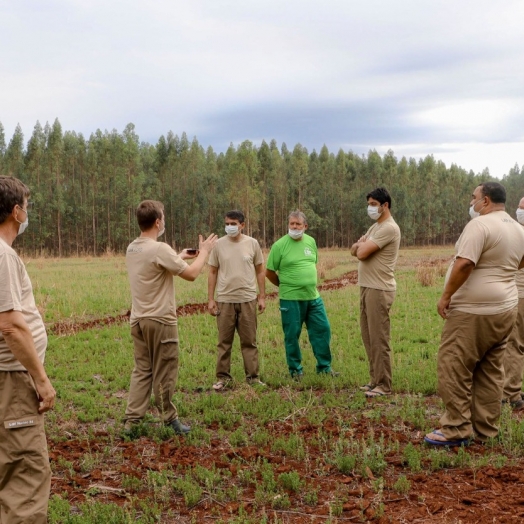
x=479 y=306
x=514 y=354
x=151 y=266
x=236 y=266
x=377 y=252
x=25 y=390
x=292 y=266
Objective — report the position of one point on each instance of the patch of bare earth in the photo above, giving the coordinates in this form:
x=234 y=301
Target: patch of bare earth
x=458 y=495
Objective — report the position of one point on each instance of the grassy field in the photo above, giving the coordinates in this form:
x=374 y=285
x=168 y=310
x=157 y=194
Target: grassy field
x=278 y=454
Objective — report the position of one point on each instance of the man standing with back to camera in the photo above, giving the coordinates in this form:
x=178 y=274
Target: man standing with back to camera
x=479 y=306
x=377 y=252
x=151 y=266
x=25 y=390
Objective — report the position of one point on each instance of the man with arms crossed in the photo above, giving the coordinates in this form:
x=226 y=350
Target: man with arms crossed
x=514 y=354
x=25 y=390
x=479 y=305
x=377 y=252
x=151 y=266
x=292 y=266
x=236 y=265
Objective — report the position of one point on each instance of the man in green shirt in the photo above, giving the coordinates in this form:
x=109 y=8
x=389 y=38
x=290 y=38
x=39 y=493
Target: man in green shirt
x=292 y=266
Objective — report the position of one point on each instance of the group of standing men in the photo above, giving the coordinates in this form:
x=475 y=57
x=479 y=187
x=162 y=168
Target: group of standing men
x=481 y=306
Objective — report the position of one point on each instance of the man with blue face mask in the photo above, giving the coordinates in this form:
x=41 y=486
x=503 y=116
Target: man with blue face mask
x=377 y=252
x=292 y=266
x=514 y=354
x=236 y=266
x=25 y=390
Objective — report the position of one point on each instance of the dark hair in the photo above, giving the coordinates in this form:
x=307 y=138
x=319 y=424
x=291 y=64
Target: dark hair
x=495 y=191
x=380 y=194
x=236 y=215
x=13 y=192
x=148 y=212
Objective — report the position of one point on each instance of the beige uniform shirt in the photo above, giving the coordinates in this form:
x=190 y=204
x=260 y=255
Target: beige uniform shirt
x=519 y=279
x=495 y=243
x=376 y=271
x=236 y=261
x=16 y=293
x=151 y=266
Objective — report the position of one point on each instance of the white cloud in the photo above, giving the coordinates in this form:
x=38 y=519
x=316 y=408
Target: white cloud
x=423 y=73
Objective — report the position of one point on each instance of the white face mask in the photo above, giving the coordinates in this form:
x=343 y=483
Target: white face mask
x=163 y=230
x=472 y=212
x=373 y=212
x=295 y=234
x=520 y=216
x=232 y=231
x=24 y=224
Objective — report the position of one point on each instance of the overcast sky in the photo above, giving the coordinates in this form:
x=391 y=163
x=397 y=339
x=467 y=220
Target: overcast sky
x=416 y=76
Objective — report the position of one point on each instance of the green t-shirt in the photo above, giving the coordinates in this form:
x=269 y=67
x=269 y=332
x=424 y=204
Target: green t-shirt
x=296 y=264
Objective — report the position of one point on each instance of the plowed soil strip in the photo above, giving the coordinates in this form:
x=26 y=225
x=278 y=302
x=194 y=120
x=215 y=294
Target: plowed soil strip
x=65 y=327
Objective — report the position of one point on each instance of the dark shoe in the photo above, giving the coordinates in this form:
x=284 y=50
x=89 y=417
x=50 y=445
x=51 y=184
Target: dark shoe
x=297 y=377
x=517 y=405
x=131 y=429
x=329 y=373
x=255 y=382
x=178 y=427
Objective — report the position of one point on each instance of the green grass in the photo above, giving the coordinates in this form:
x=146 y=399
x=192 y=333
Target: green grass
x=322 y=424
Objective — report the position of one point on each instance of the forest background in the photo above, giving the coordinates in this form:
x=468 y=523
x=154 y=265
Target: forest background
x=85 y=191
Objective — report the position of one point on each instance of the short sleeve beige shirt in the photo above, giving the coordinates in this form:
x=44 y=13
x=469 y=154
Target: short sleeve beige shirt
x=151 y=266
x=495 y=243
x=236 y=261
x=377 y=271
x=16 y=293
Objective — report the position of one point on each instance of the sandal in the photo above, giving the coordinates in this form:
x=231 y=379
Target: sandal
x=220 y=385
x=367 y=387
x=445 y=442
x=373 y=393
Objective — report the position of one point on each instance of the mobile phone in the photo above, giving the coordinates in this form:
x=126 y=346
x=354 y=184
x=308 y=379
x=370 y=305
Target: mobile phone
x=191 y=251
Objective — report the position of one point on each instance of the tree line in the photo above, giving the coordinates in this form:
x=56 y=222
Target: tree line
x=85 y=191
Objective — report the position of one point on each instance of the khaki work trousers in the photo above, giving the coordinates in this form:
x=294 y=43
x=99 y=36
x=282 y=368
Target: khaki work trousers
x=470 y=372
x=514 y=359
x=156 y=368
x=25 y=474
x=375 y=305
x=241 y=317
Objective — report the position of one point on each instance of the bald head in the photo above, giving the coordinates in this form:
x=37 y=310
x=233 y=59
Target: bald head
x=521 y=203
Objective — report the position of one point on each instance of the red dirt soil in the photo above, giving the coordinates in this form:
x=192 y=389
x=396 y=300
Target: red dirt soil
x=445 y=496
x=487 y=495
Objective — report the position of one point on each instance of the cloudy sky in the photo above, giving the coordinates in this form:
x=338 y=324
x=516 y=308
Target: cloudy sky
x=416 y=76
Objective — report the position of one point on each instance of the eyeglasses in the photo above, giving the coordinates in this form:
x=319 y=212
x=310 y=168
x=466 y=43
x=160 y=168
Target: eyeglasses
x=28 y=207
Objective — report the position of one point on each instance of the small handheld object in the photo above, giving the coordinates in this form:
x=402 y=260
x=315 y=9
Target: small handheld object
x=191 y=251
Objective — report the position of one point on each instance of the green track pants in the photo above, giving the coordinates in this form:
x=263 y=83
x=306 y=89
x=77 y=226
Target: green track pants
x=313 y=313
